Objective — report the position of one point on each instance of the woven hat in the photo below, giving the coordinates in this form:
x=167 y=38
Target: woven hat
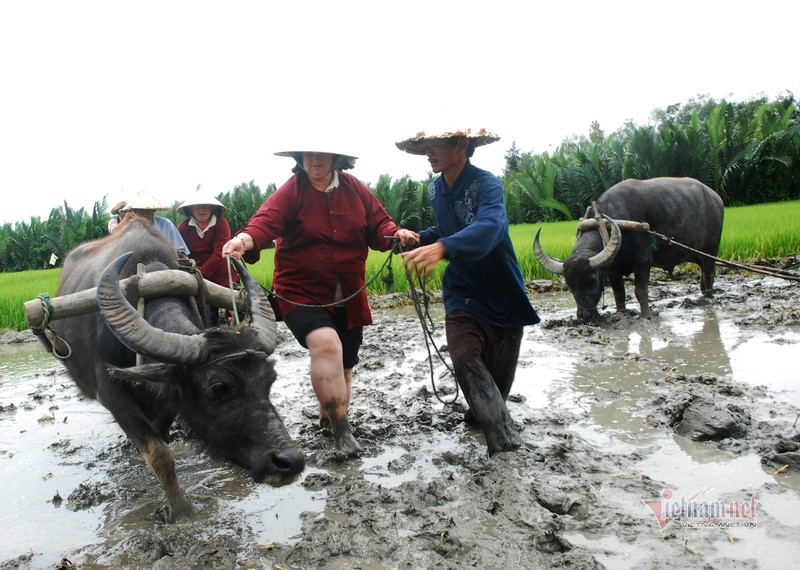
x=416 y=144
x=200 y=198
x=118 y=206
x=142 y=200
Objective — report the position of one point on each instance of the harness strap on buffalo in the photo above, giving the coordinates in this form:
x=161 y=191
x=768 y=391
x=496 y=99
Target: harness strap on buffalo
x=589 y=224
x=45 y=329
x=779 y=273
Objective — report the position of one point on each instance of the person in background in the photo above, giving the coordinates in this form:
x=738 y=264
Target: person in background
x=144 y=206
x=485 y=300
x=205 y=230
x=116 y=217
x=323 y=221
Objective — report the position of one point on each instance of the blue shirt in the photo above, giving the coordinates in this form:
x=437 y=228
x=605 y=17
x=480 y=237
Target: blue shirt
x=166 y=227
x=482 y=277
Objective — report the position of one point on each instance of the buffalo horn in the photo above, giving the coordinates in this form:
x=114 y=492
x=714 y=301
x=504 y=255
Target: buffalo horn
x=610 y=250
x=261 y=315
x=551 y=264
x=134 y=331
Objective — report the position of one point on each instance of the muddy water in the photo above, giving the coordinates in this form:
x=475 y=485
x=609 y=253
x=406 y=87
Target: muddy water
x=73 y=487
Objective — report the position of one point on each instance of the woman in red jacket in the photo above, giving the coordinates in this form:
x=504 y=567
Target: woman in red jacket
x=323 y=221
x=205 y=230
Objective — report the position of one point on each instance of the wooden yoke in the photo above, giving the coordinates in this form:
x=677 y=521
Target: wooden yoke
x=172 y=282
x=591 y=224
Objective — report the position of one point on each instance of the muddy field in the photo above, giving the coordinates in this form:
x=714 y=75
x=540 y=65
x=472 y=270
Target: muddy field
x=620 y=421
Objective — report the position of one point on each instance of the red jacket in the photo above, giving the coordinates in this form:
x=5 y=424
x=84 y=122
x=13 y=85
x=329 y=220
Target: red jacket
x=207 y=250
x=321 y=237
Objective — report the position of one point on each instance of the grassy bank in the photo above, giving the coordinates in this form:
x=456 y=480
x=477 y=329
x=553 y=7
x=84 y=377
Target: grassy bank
x=749 y=232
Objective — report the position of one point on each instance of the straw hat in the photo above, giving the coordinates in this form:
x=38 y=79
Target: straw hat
x=118 y=206
x=142 y=200
x=200 y=198
x=416 y=144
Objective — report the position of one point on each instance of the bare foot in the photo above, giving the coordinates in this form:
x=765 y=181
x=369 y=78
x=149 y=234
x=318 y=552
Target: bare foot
x=345 y=441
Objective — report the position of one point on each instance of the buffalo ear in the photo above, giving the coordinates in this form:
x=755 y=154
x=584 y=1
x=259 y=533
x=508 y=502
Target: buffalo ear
x=146 y=373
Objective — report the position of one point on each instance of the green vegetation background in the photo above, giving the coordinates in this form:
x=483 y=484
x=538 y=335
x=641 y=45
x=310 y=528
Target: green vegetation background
x=749 y=232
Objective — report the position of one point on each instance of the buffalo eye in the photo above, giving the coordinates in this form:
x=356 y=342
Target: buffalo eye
x=221 y=390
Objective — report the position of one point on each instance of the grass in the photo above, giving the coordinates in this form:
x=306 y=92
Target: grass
x=17 y=288
x=749 y=232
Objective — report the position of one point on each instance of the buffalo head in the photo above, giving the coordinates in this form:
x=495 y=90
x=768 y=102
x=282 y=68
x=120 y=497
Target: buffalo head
x=583 y=271
x=221 y=378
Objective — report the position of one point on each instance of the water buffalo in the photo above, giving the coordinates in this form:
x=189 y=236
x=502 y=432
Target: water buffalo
x=680 y=208
x=217 y=379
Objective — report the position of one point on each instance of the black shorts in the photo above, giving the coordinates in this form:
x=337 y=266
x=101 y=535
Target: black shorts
x=303 y=320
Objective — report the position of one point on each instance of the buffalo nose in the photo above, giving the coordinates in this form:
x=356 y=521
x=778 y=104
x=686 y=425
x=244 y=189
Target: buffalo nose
x=289 y=461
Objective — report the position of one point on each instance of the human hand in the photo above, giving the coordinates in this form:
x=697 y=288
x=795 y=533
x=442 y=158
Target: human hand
x=407 y=237
x=233 y=247
x=422 y=260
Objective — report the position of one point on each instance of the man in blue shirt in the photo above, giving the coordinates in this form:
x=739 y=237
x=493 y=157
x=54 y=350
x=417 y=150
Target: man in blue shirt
x=143 y=205
x=485 y=300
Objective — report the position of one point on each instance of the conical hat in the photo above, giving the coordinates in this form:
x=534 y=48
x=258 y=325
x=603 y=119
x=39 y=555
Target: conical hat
x=143 y=200
x=201 y=198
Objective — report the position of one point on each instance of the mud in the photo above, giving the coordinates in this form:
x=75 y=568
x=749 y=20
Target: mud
x=617 y=417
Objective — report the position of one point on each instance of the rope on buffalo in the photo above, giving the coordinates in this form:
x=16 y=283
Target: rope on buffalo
x=233 y=293
x=780 y=273
x=48 y=331
x=636 y=226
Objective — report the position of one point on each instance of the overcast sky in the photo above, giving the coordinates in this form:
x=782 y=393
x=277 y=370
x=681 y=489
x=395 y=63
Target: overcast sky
x=106 y=98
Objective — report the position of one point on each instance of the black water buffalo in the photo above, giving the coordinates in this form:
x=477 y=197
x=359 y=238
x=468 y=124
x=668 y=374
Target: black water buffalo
x=217 y=379
x=680 y=208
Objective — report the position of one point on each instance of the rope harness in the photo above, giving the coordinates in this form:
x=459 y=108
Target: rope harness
x=421 y=307
x=654 y=236
x=233 y=356
x=48 y=331
x=780 y=273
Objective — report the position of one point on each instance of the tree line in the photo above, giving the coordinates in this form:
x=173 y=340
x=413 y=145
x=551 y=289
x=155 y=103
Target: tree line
x=749 y=152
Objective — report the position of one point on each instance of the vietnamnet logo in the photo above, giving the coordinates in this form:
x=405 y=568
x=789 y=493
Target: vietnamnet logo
x=690 y=512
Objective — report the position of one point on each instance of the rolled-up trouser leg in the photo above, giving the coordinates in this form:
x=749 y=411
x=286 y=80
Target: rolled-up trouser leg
x=469 y=341
x=501 y=360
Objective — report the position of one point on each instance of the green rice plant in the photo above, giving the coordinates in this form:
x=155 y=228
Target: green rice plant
x=557 y=239
x=763 y=230
x=264 y=268
x=22 y=286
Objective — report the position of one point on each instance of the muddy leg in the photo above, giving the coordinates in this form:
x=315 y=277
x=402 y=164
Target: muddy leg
x=640 y=281
x=466 y=340
x=161 y=462
x=488 y=408
x=502 y=361
x=331 y=386
x=708 y=269
x=154 y=449
x=618 y=287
